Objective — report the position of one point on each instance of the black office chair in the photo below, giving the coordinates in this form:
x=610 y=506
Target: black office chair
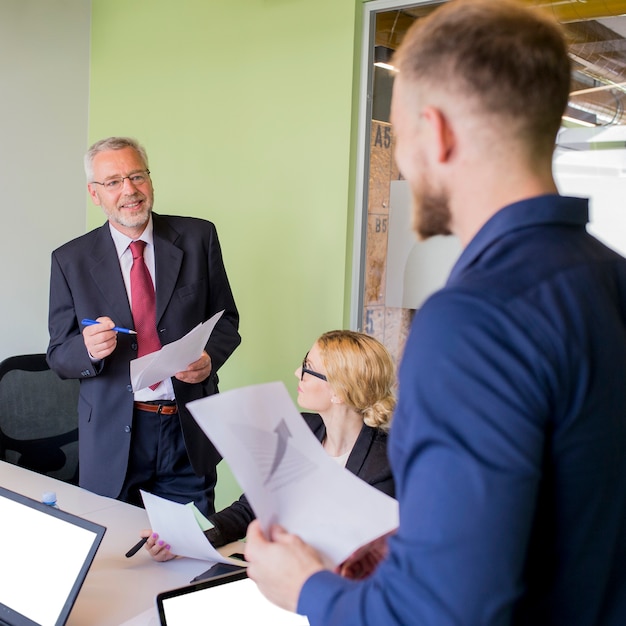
x=38 y=417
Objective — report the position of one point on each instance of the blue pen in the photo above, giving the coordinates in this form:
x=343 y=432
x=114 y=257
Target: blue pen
x=86 y=322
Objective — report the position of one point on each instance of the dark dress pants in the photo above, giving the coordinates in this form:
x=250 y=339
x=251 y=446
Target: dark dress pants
x=158 y=463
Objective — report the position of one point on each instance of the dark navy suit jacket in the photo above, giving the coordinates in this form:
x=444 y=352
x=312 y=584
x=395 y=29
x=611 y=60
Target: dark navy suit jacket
x=86 y=282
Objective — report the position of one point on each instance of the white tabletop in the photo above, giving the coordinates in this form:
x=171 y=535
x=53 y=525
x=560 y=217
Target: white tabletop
x=117 y=588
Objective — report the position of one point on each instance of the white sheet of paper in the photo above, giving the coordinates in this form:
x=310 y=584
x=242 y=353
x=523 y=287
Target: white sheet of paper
x=173 y=357
x=287 y=476
x=177 y=524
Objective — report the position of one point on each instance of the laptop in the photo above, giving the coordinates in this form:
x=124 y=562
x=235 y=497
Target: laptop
x=229 y=599
x=45 y=556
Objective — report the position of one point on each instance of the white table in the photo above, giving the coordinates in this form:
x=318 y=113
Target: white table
x=116 y=588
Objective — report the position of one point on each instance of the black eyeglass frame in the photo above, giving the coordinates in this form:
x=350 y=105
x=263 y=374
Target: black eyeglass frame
x=145 y=174
x=305 y=370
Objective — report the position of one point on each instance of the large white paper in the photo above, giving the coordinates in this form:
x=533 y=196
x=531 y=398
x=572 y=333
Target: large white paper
x=177 y=524
x=287 y=476
x=173 y=357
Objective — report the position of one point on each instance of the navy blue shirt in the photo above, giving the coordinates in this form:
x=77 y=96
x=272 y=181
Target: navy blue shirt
x=508 y=445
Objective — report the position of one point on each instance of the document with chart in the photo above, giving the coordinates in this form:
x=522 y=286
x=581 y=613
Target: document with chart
x=287 y=476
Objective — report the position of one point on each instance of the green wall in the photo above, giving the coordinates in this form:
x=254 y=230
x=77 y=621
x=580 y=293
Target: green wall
x=246 y=109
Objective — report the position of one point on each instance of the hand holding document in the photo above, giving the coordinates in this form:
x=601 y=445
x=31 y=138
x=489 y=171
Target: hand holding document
x=178 y=524
x=173 y=357
x=287 y=476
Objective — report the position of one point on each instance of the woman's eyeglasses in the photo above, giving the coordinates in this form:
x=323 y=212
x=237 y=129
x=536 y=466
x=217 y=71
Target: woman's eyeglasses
x=305 y=370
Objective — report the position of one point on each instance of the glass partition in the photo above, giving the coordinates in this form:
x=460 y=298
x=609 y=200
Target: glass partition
x=392 y=272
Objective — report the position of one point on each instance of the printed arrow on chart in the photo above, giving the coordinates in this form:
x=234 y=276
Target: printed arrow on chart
x=281 y=447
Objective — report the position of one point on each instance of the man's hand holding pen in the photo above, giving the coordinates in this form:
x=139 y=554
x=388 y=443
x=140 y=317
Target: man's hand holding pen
x=101 y=338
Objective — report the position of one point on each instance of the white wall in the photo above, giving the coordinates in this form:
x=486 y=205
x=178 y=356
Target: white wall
x=591 y=163
x=44 y=92
x=415 y=269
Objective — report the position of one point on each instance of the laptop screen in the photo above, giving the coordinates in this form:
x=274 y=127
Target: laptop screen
x=46 y=554
x=231 y=599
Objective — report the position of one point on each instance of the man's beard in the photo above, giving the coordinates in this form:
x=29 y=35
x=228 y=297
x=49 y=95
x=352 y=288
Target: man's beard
x=431 y=213
x=130 y=220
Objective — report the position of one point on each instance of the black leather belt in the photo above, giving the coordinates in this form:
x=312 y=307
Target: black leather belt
x=162 y=408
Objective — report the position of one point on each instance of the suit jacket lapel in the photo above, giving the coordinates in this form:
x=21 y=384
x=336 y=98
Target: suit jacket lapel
x=360 y=449
x=107 y=275
x=168 y=261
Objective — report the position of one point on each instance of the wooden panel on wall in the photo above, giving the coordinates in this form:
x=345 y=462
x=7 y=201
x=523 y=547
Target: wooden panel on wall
x=389 y=325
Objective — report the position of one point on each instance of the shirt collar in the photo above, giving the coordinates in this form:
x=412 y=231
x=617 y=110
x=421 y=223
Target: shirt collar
x=122 y=242
x=541 y=210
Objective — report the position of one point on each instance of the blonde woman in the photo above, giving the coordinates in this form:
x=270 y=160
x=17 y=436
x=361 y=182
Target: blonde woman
x=346 y=383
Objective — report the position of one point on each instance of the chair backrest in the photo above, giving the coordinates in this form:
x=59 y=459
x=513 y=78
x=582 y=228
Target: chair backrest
x=38 y=417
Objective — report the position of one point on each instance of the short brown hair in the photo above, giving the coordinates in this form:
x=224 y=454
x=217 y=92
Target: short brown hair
x=361 y=371
x=507 y=59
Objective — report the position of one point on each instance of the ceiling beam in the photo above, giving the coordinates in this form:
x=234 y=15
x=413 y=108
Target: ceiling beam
x=579 y=10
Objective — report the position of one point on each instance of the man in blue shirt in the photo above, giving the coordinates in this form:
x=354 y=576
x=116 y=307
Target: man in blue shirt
x=508 y=445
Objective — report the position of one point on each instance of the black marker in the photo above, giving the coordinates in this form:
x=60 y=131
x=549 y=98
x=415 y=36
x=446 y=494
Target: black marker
x=136 y=547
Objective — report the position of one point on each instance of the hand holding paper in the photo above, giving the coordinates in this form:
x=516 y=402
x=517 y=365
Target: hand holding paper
x=173 y=357
x=178 y=523
x=287 y=476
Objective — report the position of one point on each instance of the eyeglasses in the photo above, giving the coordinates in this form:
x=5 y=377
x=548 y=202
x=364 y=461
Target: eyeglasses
x=113 y=184
x=305 y=370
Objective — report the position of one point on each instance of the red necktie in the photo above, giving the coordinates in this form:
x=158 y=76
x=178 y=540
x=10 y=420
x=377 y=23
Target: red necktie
x=143 y=303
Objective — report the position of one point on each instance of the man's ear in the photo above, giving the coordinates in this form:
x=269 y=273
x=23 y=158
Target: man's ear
x=441 y=134
x=92 y=192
